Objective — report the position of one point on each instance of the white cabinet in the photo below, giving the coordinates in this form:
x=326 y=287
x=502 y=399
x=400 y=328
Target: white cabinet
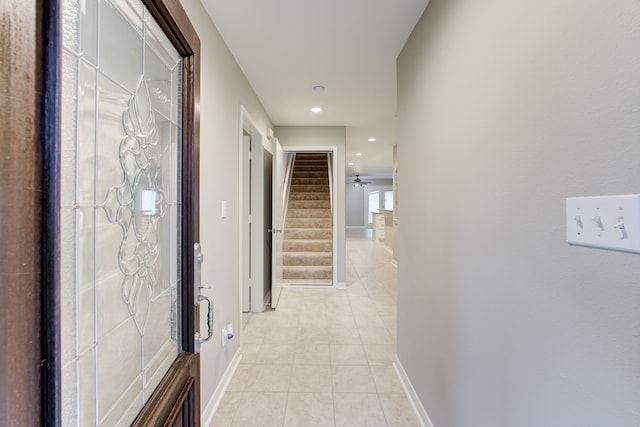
x=378 y=226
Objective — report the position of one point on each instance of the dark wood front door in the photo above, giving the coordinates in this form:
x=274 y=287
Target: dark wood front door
x=99 y=214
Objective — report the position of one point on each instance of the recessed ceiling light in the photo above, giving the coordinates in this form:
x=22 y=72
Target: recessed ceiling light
x=350 y=164
x=316 y=109
x=358 y=154
x=371 y=140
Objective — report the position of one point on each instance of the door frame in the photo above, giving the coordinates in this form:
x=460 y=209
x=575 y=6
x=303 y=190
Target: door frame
x=334 y=197
x=248 y=125
x=184 y=372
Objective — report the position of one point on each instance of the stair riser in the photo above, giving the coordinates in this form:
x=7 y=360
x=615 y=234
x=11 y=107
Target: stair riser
x=309 y=213
x=311 y=234
x=301 y=195
x=307 y=259
x=307 y=274
x=307 y=246
x=310 y=168
x=309 y=204
x=312 y=181
x=312 y=158
x=308 y=223
x=309 y=188
x=310 y=174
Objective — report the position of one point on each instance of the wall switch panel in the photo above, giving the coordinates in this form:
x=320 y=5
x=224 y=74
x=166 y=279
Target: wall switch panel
x=223 y=209
x=605 y=222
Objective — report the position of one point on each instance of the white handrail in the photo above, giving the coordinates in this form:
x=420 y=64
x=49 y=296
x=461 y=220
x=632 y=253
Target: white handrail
x=330 y=170
x=288 y=174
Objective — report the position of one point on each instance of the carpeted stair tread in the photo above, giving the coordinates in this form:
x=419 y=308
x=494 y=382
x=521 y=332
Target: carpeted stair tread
x=308 y=223
x=308 y=236
x=308 y=188
x=307 y=245
x=307 y=233
x=310 y=204
x=308 y=195
x=307 y=272
x=307 y=258
x=309 y=213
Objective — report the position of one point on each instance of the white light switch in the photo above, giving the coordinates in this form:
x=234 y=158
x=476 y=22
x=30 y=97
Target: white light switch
x=606 y=222
x=223 y=209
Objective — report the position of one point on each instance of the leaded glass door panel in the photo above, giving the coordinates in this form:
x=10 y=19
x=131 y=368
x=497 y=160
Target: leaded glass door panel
x=128 y=221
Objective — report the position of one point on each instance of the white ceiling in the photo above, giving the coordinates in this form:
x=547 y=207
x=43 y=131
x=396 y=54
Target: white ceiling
x=285 y=47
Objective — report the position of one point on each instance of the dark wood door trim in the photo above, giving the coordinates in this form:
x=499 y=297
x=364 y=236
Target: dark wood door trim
x=51 y=140
x=166 y=401
x=27 y=98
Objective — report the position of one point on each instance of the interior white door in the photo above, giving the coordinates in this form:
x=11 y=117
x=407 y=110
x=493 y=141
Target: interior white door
x=277 y=217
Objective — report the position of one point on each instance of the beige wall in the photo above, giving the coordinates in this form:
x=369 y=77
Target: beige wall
x=223 y=90
x=505 y=109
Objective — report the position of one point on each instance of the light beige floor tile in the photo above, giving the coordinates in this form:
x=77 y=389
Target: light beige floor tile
x=242 y=375
x=261 y=409
x=352 y=379
x=339 y=335
x=281 y=335
x=311 y=378
x=356 y=288
x=251 y=352
x=376 y=336
x=309 y=410
x=276 y=353
x=380 y=354
x=347 y=354
x=312 y=334
x=358 y=410
x=311 y=354
x=386 y=379
x=253 y=333
x=287 y=354
x=398 y=410
x=346 y=321
x=370 y=320
x=269 y=378
x=282 y=319
x=227 y=409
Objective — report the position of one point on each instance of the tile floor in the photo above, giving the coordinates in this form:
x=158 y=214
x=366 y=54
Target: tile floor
x=324 y=357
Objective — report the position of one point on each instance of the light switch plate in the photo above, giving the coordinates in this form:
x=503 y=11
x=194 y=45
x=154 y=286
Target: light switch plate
x=605 y=222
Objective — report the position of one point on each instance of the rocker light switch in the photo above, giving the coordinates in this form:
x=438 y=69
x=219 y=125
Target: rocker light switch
x=605 y=222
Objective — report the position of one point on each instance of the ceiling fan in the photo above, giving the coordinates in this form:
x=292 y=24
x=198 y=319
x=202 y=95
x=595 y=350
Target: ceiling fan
x=357 y=182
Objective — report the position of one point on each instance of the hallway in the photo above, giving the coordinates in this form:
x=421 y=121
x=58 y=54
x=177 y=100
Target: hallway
x=324 y=357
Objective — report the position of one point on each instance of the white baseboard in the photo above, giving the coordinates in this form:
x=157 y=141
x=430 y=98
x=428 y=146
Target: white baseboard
x=421 y=413
x=212 y=405
x=340 y=285
x=355 y=226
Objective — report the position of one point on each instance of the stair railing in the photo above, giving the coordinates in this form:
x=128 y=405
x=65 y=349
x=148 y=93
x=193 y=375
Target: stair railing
x=330 y=170
x=290 y=159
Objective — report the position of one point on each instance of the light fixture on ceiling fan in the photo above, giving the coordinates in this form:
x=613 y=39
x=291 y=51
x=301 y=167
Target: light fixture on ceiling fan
x=357 y=182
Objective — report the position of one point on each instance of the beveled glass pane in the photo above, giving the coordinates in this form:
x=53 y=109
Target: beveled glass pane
x=122 y=220
x=88 y=10
x=121 y=44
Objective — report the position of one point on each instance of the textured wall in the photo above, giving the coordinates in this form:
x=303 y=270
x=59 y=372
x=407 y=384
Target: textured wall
x=505 y=109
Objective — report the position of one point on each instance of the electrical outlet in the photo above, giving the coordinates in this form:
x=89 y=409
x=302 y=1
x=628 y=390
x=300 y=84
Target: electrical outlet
x=605 y=222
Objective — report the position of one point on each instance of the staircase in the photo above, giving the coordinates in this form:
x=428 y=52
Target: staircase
x=308 y=233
